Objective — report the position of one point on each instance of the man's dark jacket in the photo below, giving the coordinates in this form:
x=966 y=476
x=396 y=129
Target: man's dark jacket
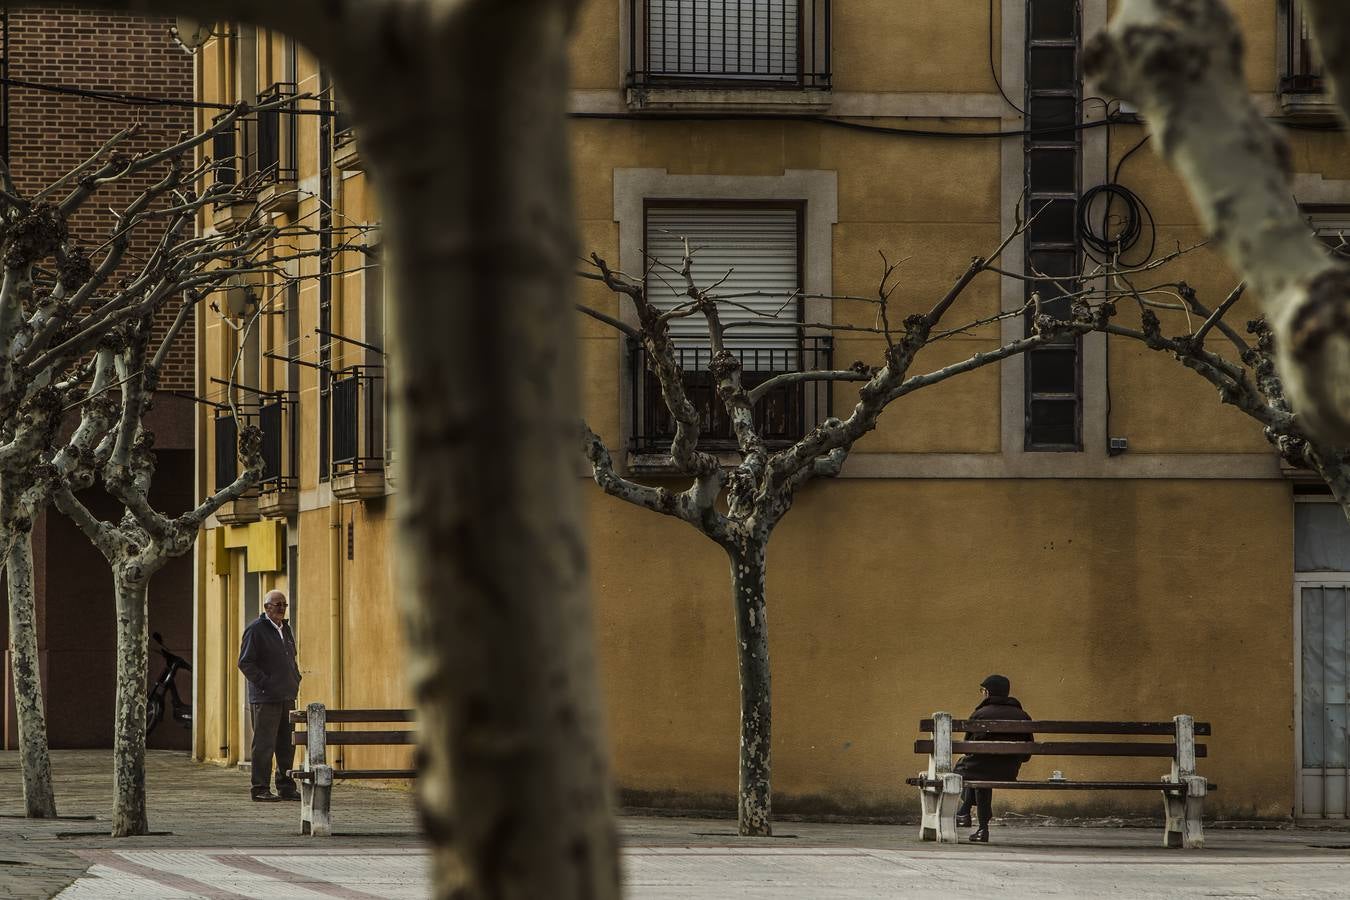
x=268 y=662
x=988 y=766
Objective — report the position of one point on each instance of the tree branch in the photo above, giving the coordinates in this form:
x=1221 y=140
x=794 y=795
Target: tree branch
x=1181 y=64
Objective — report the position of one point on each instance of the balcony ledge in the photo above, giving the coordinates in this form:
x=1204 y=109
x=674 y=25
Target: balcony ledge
x=731 y=100
x=346 y=155
x=279 y=504
x=358 y=486
x=1309 y=107
x=239 y=512
x=662 y=464
x=279 y=197
x=229 y=216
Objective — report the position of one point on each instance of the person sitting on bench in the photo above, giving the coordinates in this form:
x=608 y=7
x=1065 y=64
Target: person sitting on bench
x=988 y=766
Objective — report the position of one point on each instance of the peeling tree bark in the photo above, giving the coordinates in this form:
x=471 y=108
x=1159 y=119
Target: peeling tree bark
x=1180 y=61
x=754 y=795
x=129 y=815
x=39 y=799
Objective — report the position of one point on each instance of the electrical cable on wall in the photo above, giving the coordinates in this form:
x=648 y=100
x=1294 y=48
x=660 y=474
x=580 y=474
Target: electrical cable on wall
x=1110 y=236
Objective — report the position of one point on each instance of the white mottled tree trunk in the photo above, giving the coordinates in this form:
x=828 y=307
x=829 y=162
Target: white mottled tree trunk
x=129 y=817
x=753 y=811
x=39 y=800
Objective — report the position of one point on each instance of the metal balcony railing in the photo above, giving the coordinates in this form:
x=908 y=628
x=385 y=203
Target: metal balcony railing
x=781 y=417
x=751 y=44
x=227 y=441
x=1303 y=70
x=273 y=154
x=357 y=420
x=225 y=155
x=277 y=419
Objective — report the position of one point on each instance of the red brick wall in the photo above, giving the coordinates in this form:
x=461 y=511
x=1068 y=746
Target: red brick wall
x=50 y=134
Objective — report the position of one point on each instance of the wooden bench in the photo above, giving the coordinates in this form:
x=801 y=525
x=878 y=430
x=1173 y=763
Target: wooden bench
x=1183 y=791
x=316 y=777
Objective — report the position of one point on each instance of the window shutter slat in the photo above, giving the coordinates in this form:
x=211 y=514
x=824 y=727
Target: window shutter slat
x=759 y=249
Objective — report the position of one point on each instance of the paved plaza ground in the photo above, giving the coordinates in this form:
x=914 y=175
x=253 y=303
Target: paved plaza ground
x=212 y=842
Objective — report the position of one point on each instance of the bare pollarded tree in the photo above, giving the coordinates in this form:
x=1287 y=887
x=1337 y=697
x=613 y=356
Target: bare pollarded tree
x=460 y=108
x=63 y=296
x=1180 y=61
x=737 y=506
x=89 y=325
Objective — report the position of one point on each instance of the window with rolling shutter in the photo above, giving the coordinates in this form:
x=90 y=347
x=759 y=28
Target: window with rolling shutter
x=748 y=256
x=730 y=43
x=751 y=255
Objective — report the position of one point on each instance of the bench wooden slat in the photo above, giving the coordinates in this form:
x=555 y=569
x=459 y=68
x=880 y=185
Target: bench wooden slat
x=361 y=715
x=360 y=737
x=1061 y=726
x=1062 y=785
x=1059 y=748
x=355 y=774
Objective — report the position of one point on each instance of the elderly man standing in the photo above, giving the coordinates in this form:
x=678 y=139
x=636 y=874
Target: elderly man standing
x=267 y=659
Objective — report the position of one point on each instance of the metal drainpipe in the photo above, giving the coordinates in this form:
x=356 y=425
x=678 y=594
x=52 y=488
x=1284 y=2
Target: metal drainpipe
x=335 y=645
x=227 y=676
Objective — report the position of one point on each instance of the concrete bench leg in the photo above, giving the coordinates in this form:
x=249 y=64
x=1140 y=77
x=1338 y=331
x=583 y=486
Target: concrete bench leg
x=306 y=805
x=939 y=809
x=1184 y=811
x=316 y=802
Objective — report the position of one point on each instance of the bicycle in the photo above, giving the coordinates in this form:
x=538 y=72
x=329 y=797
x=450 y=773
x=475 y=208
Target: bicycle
x=166 y=685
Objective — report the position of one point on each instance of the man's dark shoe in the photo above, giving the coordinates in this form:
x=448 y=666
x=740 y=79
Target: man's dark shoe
x=963 y=821
x=979 y=835
x=266 y=798
x=292 y=794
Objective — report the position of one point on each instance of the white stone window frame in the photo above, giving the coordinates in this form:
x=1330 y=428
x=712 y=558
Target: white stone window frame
x=816 y=189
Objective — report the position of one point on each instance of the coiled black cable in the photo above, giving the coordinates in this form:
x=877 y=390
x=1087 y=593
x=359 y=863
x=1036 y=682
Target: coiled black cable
x=1111 y=221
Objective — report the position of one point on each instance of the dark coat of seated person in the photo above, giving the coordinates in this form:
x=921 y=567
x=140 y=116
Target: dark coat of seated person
x=996 y=705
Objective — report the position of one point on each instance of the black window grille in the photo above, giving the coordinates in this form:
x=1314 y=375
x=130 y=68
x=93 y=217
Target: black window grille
x=783 y=416
x=225 y=155
x=1303 y=70
x=1054 y=398
x=729 y=43
x=277 y=420
x=356 y=401
x=274 y=153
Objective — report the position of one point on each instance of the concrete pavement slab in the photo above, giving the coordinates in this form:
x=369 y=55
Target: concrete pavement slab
x=213 y=842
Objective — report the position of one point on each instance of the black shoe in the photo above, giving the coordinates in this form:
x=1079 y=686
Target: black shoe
x=963 y=821
x=979 y=835
x=266 y=798
x=292 y=795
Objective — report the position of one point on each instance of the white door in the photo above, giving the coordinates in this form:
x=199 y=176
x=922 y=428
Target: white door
x=1322 y=619
x=1324 y=750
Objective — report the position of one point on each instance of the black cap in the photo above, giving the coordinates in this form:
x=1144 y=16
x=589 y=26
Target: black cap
x=997 y=686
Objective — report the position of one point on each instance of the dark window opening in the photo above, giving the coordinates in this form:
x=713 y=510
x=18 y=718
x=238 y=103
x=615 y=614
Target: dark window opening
x=1053 y=160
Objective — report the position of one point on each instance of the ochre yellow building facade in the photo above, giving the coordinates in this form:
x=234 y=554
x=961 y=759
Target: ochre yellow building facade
x=1128 y=585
